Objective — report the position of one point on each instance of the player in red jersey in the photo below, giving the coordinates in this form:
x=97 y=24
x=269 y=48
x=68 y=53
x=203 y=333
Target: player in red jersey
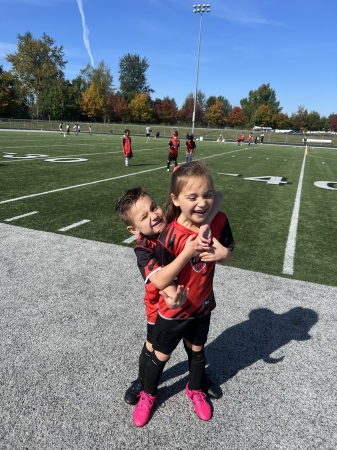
x=144 y=217
x=190 y=148
x=126 y=145
x=174 y=145
x=190 y=202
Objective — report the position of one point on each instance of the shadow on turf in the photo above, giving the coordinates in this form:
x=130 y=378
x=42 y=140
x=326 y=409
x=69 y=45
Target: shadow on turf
x=244 y=344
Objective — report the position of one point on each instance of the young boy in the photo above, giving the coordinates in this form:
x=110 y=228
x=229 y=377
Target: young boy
x=190 y=148
x=174 y=145
x=126 y=145
x=142 y=216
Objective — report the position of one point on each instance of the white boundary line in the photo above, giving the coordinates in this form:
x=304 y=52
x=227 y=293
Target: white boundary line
x=74 y=225
x=20 y=217
x=289 y=255
x=102 y=181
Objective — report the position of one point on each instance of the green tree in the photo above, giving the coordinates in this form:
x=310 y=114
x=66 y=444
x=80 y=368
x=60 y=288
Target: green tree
x=299 y=120
x=166 y=110
x=35 y=62
x=132 y=76
x=140 y=108
x=12 y=101
x=264 y=95
x=236 y=117
x=314 y=121
x=264 y=116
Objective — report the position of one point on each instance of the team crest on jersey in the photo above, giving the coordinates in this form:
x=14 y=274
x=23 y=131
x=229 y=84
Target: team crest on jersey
x=197 y=264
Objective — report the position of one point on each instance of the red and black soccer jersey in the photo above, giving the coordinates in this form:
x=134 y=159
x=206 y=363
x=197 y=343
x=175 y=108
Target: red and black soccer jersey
x=147 y=261
x=196 y=275
x=190 y=147
x=127 y=150
x=174 y=145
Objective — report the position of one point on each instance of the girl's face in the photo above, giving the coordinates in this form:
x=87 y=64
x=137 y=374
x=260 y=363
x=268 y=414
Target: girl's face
x=195 y=200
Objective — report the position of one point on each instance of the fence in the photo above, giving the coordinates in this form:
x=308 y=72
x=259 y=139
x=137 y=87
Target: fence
x=229 y=134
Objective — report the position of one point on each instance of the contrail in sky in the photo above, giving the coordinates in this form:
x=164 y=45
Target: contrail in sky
x=85 y=31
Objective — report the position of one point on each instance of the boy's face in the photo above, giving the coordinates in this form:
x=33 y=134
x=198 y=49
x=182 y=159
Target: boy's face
x=148 y=217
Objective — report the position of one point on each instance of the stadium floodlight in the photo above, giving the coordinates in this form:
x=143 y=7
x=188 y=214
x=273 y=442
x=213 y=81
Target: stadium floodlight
x=204 y=8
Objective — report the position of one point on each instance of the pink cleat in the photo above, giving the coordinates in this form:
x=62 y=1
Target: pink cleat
x=142 y=411
x=201 y=405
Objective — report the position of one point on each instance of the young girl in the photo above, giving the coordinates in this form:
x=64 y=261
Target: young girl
x=126 y=145
x=190 y=202
x=190 y=148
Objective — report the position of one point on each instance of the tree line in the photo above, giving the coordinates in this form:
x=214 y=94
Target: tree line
x=35 y=87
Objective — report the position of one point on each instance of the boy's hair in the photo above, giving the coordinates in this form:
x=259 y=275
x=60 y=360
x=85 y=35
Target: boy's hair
x=179 y=179
x=127 y=201
x=127 y=131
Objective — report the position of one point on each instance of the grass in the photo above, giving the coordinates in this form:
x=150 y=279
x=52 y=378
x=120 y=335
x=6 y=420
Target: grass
x=260 y=213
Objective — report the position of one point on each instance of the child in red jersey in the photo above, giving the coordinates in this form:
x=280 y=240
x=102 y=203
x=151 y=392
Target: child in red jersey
x=190 y=148
x=143 y=217
x=126 y=145
x=174 y=145
x=190 y=202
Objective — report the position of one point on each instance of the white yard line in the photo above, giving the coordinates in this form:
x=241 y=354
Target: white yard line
x=131 y=239
x=101 y=181
x=20 y=217
x=289 y=255
x=74 y=225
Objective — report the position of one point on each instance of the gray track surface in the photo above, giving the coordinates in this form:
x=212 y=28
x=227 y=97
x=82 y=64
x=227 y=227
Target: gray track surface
x=71 y=328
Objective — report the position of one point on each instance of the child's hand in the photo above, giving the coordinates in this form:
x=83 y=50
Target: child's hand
x=177 y=299
x=205 y=236
x=217 y=253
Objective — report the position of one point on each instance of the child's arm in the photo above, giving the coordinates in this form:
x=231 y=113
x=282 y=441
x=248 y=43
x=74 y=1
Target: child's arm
x=163 y=276
x=205 y=234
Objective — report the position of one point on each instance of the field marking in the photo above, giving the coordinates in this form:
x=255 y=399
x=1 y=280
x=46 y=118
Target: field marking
x=289 y=255
x=74 y=225
x=101 y=181
x=20 y=217
x=129 y=240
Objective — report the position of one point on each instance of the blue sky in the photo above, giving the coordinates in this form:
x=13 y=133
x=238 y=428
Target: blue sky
x=289 y=44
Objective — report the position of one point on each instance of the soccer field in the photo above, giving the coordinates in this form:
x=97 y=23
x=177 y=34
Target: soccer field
x=280 y=202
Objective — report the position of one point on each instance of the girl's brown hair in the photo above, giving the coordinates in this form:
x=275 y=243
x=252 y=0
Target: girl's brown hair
x=179 y=178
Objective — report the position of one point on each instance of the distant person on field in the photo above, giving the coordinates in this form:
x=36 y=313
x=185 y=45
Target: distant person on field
x=148 y=133
x=174 y=145
x=256 y=140
x=60 y=127
x=90 y=129
x=78 y=128
x=75 y=127
x=250 y=139
x=126 y=145
x=262 y=137
x=68 y=128
x=190 y=148
x=241 y=139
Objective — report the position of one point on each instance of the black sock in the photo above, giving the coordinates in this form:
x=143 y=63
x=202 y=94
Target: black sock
x=153 y=371
x=143 y=359
x=189 y=354
x=197 y=370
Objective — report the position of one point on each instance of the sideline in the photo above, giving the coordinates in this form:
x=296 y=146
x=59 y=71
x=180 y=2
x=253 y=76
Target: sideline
x=289 y=255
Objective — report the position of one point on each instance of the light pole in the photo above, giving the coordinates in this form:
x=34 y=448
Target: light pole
x=198 y=9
